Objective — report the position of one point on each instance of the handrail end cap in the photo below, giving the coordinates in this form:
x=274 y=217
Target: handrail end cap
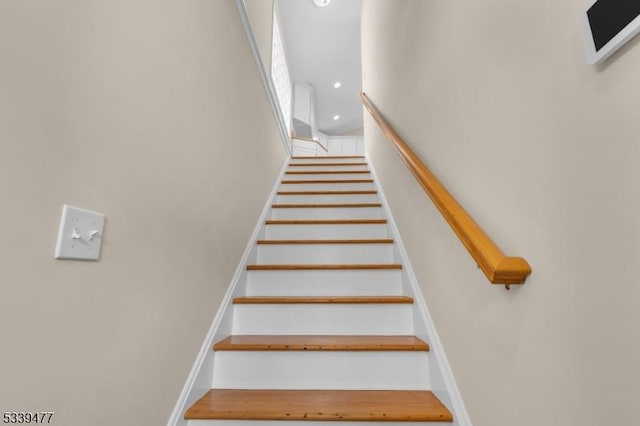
x=511 y=270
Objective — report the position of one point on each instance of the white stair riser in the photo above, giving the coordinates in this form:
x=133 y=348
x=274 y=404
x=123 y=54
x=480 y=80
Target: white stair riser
x=328 y=213
x=321 y=160
x=342 y=319
x=324 y=283
x=332 y=176
x=326 y=231
x=359 y=186
x=304 y=148
x=324 y=253
x=323 y=199
x=321 y=370
x=323 y=168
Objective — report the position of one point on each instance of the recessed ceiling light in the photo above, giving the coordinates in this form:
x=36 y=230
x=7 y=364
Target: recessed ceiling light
x=321 y=3
x=336 y=117
x=337 y=85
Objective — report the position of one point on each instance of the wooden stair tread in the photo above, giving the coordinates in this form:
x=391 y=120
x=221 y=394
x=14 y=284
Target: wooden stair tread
x=327 y=172
x=327 y=205
x=351 y=405
x=325 y=221
x=325 y=164
x=372 y=192
x=296 y=182
x=320 y=343
x=366 y=241
x=327 y=157
x=286 y=300
x=308 y=267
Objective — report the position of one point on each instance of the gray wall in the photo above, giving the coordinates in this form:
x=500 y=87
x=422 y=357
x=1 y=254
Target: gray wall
x=543 y=150
x=150 y=111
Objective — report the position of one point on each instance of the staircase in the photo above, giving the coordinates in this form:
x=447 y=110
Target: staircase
x=322 y=324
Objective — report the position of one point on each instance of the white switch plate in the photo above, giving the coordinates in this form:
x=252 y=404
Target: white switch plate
x=80 y=234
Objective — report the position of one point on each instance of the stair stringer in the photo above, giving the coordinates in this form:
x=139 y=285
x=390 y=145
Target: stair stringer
x=200 y=379
x=443 y=382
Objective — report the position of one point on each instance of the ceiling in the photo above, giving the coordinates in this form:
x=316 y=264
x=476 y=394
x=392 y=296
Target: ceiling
x=323 y=46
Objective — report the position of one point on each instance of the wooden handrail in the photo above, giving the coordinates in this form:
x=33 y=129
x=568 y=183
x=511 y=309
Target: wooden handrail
x=498 y=268
x=309 y=140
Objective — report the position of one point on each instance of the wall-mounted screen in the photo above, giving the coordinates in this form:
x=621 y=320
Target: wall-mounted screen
x=607 y=25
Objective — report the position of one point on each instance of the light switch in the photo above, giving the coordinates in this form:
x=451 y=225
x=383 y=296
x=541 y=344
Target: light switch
x=80 y=234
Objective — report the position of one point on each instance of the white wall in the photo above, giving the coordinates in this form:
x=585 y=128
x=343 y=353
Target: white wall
x=136 y=109
x=353 y=132
x=304 y=117
x=339 y=145
x=345 y=145
x=543 y=150
x=280 y=76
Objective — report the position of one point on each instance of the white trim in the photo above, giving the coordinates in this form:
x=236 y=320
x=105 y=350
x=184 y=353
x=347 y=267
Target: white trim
x=597 y=57
x=266 y=81
x=460 y=414
x=176 y=416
